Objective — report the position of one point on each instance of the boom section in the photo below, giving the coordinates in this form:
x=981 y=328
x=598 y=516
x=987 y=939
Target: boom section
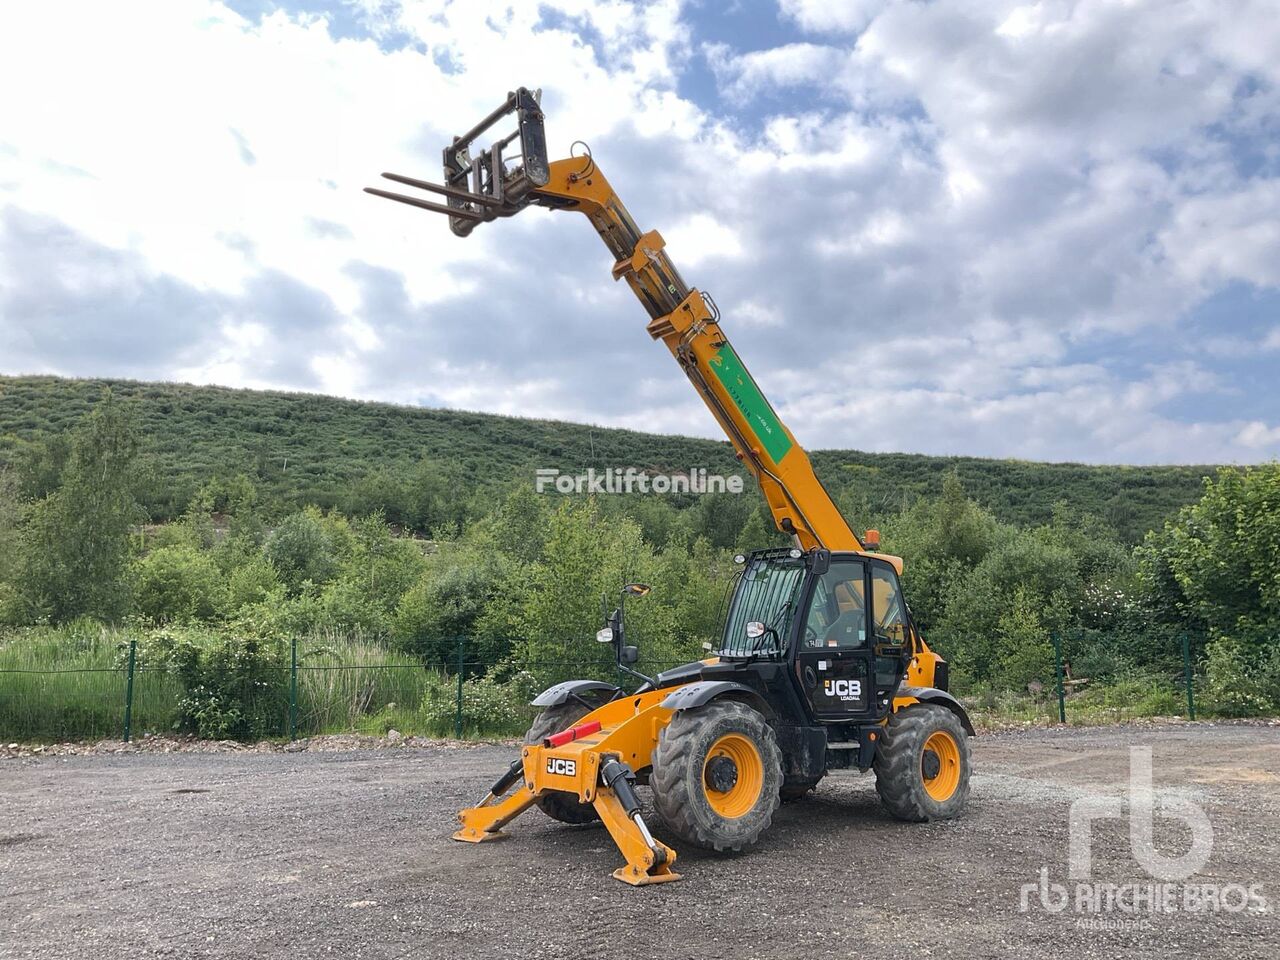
x=688 y=323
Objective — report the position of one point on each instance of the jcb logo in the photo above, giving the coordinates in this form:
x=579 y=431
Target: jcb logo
x=562 y=767
x=843 y=689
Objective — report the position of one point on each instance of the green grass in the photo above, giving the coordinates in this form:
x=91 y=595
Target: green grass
x=303 y=448
x=1133 y=696
x=69 y=684
x=351 y=683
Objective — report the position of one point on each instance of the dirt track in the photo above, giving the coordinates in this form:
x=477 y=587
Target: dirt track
x=323 y=854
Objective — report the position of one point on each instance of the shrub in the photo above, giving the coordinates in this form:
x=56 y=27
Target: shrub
x=249 y=582
x=178 y=584
x=302 y=548
x=346 y=606
x=488 y=706
x=446 y=603
x=234 y=687
x=1238 y=683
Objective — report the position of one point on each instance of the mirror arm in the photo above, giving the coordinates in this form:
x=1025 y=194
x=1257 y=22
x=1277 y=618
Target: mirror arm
x=620 y=640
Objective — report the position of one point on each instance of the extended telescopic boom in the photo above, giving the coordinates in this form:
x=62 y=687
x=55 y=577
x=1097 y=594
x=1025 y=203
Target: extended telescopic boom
x=493 y=184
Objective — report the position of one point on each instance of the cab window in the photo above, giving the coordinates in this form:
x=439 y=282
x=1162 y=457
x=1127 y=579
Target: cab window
x=837 y=613
x=888 y=618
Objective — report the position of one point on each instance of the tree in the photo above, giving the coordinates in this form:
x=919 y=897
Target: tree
x=448 y=601
x=941 y=542
x=302 y=548
x=435 y=497
x=1217 y=566
x=10 y=514
x=75 y=544
x=759 y=532
x=559 y=607
x=178 y=584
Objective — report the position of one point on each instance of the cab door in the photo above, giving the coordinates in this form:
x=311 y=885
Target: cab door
x=853 y=640
x=835 y=663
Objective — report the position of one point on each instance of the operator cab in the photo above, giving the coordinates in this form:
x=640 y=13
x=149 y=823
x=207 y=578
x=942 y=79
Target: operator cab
x=837 y=619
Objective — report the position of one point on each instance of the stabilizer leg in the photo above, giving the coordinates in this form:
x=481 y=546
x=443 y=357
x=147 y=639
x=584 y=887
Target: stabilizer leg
x=648 y=860
x=486 y=820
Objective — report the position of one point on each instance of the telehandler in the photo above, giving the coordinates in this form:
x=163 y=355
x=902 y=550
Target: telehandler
x=819 y=667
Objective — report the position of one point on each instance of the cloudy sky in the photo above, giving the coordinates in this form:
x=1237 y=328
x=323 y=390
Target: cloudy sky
x=1047 y=230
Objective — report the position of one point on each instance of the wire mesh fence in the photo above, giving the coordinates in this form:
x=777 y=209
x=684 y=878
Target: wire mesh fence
x=328 y=687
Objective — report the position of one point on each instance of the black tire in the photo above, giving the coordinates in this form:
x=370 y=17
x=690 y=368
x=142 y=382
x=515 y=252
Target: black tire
x=681 y=794
x=903 y=765
x=560 y=806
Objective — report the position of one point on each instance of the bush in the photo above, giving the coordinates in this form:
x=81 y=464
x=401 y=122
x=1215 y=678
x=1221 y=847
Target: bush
x=346 y=606
x=446 y=603
x=234 y=687
x=488 y=706
x=1238 y=684
x=303 y=548
x=248 y=583
x=279 y=616
x=178 y=584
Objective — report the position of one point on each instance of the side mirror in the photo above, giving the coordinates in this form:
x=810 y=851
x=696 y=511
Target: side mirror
x=629 y=654
x=755 y=630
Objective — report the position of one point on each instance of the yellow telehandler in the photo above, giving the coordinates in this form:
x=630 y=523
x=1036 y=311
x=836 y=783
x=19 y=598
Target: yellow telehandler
x=819 y=666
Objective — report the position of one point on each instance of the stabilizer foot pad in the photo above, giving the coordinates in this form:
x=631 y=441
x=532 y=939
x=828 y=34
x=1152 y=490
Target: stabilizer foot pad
x=635 y=879
x=468 y=835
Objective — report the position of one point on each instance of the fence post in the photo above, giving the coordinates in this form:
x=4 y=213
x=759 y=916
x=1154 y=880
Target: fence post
x=457 y=716
x=293 y=688
x=1186 y=669
x=1057 y=667
x=128 y=691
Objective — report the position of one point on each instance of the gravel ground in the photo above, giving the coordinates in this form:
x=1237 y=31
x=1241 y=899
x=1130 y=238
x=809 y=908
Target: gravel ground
x=345 y=852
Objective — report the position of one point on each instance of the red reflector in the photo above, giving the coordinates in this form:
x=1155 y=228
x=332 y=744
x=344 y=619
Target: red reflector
x=573 y=733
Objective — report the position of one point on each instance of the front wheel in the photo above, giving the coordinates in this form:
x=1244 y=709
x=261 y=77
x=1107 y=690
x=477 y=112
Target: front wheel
x=560 y=806
x=922 y=765
x=717 y=775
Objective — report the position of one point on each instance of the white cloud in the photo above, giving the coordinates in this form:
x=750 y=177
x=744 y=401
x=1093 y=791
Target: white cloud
x=789 y=65
x=839 y=16
x=1256 y=435
x=701 y=237
x=963 y=204
x=1229 y=236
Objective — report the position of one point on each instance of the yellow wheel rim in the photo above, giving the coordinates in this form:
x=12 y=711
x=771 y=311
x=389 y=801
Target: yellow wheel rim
x=944 y=783
x=747 y=775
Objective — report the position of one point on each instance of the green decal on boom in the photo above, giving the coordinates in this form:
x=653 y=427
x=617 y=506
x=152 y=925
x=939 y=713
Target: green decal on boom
x=750 y=401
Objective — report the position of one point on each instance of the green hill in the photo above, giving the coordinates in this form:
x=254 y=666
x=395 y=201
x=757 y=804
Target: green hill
x=305 y=448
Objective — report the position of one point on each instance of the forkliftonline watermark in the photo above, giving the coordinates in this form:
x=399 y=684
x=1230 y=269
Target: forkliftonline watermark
x=635 y=480
x=1133 y=905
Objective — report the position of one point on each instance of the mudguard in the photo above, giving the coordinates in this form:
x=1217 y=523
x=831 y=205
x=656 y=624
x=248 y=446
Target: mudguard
x=941 y=697
x=562 y=692
x=704 y=691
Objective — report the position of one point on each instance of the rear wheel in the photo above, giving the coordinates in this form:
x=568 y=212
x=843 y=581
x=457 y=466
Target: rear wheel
x=922 y=765
x=561 y=806
x=717 y=775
